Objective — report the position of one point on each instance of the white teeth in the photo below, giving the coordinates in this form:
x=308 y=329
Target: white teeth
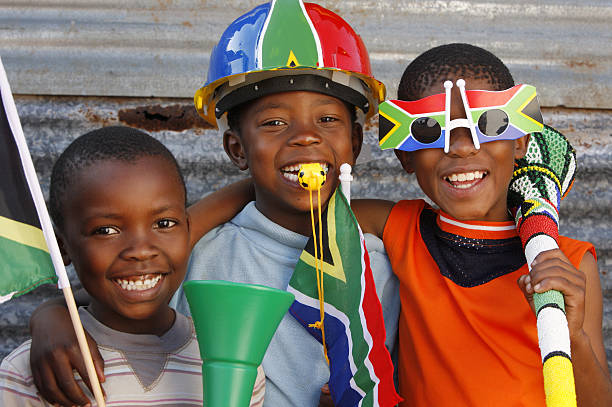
x=139 y=285
x=287 y=170
x=290 y=176
x=465 y=176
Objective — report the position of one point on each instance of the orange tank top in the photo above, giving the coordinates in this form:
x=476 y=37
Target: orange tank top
x=467 y=336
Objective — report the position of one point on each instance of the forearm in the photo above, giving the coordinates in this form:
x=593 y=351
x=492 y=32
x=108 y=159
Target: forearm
x=593 y=386
x=81 y=297
x=219 y=207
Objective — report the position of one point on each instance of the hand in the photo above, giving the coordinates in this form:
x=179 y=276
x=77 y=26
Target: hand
x=551 y=270
x=325 y=400
x=55 y=353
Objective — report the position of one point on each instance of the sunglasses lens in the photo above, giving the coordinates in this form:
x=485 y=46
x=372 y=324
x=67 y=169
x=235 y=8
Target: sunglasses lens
x=493 y=122
x=425 y=130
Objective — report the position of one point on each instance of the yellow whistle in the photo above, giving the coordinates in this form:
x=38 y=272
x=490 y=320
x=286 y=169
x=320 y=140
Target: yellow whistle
x=311 y=176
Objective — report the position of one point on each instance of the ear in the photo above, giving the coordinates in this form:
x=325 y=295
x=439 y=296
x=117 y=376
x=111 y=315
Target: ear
x=405 y=157
x=520 y=146
x=62 y=248
x=356 y=140
x=232 y=144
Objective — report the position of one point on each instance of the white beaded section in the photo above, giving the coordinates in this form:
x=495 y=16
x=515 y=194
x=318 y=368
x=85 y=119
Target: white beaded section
x=553 y=332
x=537 y=245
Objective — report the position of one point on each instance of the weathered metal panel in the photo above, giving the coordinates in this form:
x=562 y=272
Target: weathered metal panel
x=114 y=57
x=161 y=48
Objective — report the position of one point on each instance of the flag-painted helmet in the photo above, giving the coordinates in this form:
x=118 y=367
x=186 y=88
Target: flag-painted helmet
x=287 y=45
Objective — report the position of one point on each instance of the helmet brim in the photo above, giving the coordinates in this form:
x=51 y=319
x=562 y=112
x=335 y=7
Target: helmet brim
x=216 y=98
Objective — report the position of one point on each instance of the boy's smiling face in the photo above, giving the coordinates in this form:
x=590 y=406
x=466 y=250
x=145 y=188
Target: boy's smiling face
x=127 y=234
x=281 y=131
x=466 y=183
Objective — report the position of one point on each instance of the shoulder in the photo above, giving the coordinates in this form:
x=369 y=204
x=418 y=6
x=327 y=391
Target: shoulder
x=371 y=214
x=18 y=361
x=403 y=217
x=576 y=250
x=216 y=233
x=16 y=381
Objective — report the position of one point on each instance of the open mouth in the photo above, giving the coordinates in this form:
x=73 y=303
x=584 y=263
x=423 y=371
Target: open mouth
x=291 y=171
x=465 y=180
x=139 y=283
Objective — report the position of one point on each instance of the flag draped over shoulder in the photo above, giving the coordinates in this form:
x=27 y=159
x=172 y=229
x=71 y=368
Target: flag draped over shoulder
x=25 y=262
x=361 y=372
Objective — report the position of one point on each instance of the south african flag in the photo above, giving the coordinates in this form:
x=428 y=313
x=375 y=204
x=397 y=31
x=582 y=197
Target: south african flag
x=25 y=262
x=361 y=372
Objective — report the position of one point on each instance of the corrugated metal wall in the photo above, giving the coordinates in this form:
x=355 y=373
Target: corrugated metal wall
x=77 y=65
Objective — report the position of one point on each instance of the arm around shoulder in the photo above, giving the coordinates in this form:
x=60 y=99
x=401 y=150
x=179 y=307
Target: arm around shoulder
x=55 y=352
x=372 y=214
x=219 y=207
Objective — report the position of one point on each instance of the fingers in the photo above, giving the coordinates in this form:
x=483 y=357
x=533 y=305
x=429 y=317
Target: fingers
x=67 y=383
x=325 y=400
x=98 y=362
x=551 y=270
x=325 y=389
x=524 y=283
x=50 y=387
x=52 y=370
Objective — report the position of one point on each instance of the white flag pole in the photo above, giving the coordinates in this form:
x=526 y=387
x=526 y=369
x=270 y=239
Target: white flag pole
x=47 y=228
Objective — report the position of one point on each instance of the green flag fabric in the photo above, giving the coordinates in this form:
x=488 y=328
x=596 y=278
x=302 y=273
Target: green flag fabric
x=25 y=262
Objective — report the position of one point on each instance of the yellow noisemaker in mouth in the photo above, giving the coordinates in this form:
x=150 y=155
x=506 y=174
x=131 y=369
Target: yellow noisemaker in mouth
x=311 y=176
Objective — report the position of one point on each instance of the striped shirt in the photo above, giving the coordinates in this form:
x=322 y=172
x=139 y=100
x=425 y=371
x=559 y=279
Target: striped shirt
x=140 y=370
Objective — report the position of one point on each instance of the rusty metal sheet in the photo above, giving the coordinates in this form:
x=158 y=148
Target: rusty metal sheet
x=156 y=48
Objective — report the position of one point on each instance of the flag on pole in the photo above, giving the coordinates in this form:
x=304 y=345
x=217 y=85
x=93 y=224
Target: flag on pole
x=25 y=262
x=361 y=371
x=22 y=268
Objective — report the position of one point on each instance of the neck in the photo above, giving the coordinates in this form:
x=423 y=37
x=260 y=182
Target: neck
x=291 y=219
x=156 y=324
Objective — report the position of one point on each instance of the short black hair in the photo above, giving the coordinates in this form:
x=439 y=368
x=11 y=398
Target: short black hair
x=113 y=143
x=456 y=59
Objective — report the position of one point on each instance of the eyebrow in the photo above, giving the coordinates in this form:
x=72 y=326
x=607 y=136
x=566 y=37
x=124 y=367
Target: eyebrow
x=113 y=216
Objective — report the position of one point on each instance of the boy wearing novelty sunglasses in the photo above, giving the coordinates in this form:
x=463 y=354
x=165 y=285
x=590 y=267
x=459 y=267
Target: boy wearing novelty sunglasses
x=467 y=337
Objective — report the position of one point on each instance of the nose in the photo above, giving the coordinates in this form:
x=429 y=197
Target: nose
x=304 y=134
x=140 y=248
x=461 y=143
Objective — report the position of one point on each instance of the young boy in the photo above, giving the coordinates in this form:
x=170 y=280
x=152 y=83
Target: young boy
x=467 y=337
x=117 y=198
x=287 y=96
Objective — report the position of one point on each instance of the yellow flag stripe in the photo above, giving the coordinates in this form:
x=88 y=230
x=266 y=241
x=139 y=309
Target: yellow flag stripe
x=23 y=233
x=337 y=270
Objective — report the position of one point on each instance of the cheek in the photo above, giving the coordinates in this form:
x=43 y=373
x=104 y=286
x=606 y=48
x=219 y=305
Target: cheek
x=177 y=250
x=344 y=151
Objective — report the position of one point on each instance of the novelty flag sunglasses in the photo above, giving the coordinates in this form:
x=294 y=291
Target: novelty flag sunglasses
x=491 y=116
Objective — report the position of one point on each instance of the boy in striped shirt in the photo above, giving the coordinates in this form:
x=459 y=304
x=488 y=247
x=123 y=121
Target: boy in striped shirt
x=118 y=200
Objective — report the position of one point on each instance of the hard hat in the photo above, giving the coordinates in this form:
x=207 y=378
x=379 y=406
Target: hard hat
x=288 y=45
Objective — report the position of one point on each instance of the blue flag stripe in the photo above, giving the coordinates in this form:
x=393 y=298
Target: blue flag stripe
x=306 y=309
